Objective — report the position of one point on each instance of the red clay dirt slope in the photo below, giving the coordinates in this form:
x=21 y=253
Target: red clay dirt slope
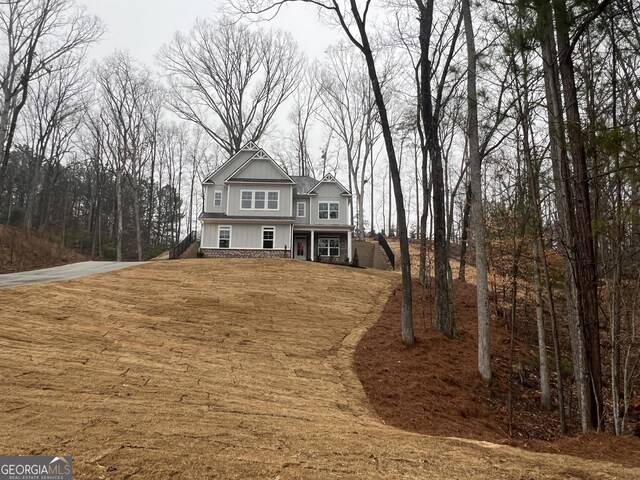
x=433 y=388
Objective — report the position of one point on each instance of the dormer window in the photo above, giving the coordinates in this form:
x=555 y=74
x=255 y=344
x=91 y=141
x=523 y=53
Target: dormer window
x=217 y=198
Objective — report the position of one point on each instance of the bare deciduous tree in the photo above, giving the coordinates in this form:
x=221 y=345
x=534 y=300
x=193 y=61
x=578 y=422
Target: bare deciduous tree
x=126 y=93
x=477 y=217
x=35 y=34
x=305 y=106
x=350 y=112
x=231 y=80
x=55 y=110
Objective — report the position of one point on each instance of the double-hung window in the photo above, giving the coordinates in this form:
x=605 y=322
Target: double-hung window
x=328 y=210
x=268 y=234
x=224 y=237
x=301 y=209
x=217 y=198
x=329 y=247
x=272 y=203
x=259 y=200
x=247 y=200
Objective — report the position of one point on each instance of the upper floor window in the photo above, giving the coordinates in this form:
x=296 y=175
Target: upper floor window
x=268 y=234
x=217 y=199
x=259 y=200
x=247 y=200
x=273 y=201
x=301 y=209
x=224 y=237
x=258 y=204
x=330 y=210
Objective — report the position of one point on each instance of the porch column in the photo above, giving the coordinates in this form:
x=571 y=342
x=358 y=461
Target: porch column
x=313 y=249
x=291 y=241
x=349 y=248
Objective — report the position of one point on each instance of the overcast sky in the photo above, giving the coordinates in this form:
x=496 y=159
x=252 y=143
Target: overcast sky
x=143 y=26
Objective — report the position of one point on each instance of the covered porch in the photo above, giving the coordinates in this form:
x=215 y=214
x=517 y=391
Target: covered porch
x=329 y=245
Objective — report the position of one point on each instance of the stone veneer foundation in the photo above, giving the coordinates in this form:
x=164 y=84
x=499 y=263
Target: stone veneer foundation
x=243 y=253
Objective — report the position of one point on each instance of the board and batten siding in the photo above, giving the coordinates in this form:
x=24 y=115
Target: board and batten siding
x=246 y=236
x=209 y=198
x=262 y=169
x=284 y=200
x=231 y=166
x=301 y=220
x=329 y=192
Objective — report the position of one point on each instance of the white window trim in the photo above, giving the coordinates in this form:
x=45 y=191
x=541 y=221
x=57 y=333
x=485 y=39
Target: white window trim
x=220 y=227
x=277 y=200
x=217 y=198
x=329 y=203
x=273 y=229
x=304 y=210
x=266 y=200
x=329 y=246
x=242 y=192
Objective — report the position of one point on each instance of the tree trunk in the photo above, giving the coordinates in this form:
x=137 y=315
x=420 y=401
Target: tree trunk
x=119 y=213
x=584 y=264
x=462 y=275
x=406 y=320
x=545 y=385
x=136 y=208
x=444 y=321
x=477 y=215
x=616 y=283
x=563 y=200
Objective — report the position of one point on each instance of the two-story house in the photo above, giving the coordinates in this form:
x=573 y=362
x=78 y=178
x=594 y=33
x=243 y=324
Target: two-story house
x=254 y=209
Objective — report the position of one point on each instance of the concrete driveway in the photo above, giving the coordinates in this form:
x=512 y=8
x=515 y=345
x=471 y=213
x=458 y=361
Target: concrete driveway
x=64 y=272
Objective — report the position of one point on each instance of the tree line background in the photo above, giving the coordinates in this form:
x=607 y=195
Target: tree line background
x=511 y=128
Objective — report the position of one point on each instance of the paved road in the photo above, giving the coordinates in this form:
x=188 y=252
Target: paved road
x=64 y=272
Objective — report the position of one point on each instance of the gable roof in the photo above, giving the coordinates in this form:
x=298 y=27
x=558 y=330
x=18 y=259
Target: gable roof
x=259 y=155
x=328 y=178
x=240 y=157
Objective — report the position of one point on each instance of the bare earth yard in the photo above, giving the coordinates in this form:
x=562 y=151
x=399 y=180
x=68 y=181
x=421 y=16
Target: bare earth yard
x=221 y=369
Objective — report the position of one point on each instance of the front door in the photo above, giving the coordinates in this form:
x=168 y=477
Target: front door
x=301 y=248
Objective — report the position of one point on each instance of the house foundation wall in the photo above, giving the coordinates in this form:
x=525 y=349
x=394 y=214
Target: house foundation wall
x=244 y=253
